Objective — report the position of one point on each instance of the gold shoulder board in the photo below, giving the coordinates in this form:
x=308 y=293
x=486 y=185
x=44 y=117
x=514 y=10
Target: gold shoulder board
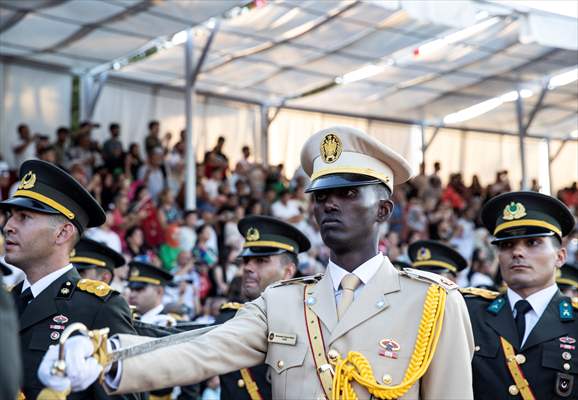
x=575 y=302
x=98 y=288
x=303 y=280
x=477 y=292
x=231 y=306
x=428 y=277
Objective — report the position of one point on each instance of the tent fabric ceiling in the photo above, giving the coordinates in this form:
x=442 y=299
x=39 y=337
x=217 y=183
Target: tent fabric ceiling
x=291 y=52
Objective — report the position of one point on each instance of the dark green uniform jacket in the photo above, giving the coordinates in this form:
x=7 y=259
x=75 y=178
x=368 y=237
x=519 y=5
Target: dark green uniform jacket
x=56 y=307
x=548 y=358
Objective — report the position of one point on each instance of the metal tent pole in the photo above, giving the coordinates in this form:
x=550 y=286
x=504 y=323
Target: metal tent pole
x=190 y=159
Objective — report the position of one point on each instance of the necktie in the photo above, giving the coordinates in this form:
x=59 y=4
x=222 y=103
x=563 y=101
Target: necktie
x=348 y=285
x=521 y=307
x=25 y=298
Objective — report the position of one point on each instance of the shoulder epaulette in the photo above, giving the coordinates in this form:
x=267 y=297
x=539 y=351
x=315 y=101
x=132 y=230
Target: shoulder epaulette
x=97 y=288
x=303 y=280
x=575 y=302
x=428 y=277
x=231 y=306
x=477 y=292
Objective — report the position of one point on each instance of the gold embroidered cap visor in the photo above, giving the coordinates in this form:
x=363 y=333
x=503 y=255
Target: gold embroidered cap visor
x=89 y=253
x=267 y=236
x=142 y=274
x=436 y=257
x=47 y=189
x=342 y=156
x=525 y=214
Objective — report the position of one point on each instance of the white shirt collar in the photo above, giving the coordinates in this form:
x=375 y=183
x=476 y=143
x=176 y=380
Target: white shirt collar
x=539 y=300
x=152 y=313
x=39 y=286
x=364 y=272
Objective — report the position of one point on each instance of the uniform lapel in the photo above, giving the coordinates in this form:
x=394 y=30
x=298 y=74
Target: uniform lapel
x=371 y=300
x=503 y=323
x=44 y=305
x=323 y=298
x=549 y=325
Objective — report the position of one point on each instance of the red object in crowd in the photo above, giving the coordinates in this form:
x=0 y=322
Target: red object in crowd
x=152 y=229
x=453 y=197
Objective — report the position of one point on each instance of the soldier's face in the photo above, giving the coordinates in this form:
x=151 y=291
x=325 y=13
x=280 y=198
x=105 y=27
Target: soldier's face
x=349 y=216
x=529 y=264
x=145 y=298
x=260 y=272
x=29 y=238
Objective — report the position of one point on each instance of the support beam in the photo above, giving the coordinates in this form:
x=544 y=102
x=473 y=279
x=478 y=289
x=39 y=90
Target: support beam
x=433 y=136
x=555 y=156
x=538 y=105
x=90 y=90
x=190 y=153
x=265 y=122
x=522 y=138
x=206 y=49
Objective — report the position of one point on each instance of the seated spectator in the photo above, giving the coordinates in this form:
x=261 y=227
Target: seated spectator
x=188 y=231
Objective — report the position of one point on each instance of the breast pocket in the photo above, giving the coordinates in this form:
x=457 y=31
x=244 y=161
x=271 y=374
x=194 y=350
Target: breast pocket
x=286 y=364
x=559 y=359
x=41 y=339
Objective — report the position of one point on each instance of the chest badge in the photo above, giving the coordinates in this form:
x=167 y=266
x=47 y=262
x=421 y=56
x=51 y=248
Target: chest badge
x=567 y=343
x=389 y=348
x=60 y=319
x=54 y=335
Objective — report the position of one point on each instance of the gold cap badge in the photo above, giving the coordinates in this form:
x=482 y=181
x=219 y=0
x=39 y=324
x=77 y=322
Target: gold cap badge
x=27 y=181
x=252 y=235
x=135 y=272
x=423 y=254
x=514 y=211
x=331 y=148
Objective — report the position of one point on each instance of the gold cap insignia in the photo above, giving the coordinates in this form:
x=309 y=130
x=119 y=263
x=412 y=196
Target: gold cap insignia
x=27 y=181
x=331 y=148
x=514 y=211
x=134 y=272
x=252 y=235
x=423 y=254
x=72 y=253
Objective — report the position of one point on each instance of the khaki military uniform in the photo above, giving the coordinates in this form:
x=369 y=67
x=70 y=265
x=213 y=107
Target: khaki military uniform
x=388 y=307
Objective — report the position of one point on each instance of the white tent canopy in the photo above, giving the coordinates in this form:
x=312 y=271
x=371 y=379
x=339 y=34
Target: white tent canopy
x=431 y=64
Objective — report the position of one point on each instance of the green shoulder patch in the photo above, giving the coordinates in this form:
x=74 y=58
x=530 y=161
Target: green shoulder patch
x=477 y=292
x=428 y=277
x=301 y=280
x=97 y=288
x=231 y=306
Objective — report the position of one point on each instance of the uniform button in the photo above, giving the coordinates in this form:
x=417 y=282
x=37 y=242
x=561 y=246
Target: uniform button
x=520 y=358
x=386 y=379
x=333 y=354
x=477 y=348
x=566 y=356
x=280 y=364
x=566 y=367
x=513 y=389
x=241 y=383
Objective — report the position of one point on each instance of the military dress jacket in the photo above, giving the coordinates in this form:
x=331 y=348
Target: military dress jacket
x=233 y=385
x=389 y=307
x=548 y=359
x=62 y=303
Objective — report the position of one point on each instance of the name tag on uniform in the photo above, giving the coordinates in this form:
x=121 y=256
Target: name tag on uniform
x=282 y=338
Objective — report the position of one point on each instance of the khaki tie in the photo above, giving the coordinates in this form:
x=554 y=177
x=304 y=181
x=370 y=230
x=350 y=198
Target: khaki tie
x=348 y=285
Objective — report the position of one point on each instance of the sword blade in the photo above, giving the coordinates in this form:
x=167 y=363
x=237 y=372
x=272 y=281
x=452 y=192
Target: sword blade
x=147 y=347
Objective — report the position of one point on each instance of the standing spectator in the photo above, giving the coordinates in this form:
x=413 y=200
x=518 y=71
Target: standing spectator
x=133 y=161
x=168 y=211
x=244 y=165
x=112 y=149
x=287 y=209
x=216 y=159
x=152 y=140
x=25 y=148
x=83 y=155
x=153 y=173
x=61 y=144
x=187 y=231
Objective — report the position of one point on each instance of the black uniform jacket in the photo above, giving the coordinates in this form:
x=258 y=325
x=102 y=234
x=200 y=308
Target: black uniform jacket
x=549 y=358
x=59 y=305
x=233 y=387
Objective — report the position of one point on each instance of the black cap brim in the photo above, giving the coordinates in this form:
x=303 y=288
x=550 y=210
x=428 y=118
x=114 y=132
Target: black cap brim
x=332 y=181
x=261 y=252
x=137 y=285
x=524 y=236
x=28 y=204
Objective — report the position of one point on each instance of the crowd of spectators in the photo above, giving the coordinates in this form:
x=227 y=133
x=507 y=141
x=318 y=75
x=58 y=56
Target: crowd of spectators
x=141 y=188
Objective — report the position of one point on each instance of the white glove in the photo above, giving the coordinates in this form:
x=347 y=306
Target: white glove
x=81 y=369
